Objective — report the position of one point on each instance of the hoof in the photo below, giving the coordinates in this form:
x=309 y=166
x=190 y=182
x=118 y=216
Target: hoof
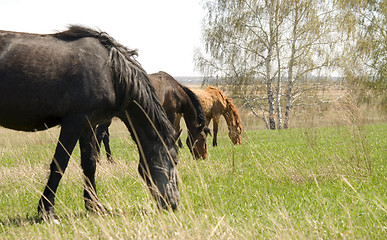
x=180 y=144
x=47 y=214
x=110 y=159
x=96 y=207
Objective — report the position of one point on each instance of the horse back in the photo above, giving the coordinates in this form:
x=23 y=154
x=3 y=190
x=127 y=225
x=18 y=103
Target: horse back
x=169 y=92
x=212 y=102
x=43 y=79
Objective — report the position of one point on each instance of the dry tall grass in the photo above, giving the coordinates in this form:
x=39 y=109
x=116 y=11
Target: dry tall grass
x=296 y=184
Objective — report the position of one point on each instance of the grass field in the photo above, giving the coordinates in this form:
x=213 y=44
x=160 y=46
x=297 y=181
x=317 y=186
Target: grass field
x=306 y=183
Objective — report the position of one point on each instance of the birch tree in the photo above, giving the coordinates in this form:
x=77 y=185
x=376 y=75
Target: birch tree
x=364 y=57
x=251 y=41
x=310 y=43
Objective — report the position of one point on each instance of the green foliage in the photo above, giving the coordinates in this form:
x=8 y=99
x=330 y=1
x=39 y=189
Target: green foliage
x=276 y=42
x=282 y=43
x=365 y=61
x=311 y=183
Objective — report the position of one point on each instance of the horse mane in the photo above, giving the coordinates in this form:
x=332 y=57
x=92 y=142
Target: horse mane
x=131 y=80
x=196 y=103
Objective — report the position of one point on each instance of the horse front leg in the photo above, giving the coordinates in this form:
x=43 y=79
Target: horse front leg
x=215 y=123
x=89 y=156
x=71 y=128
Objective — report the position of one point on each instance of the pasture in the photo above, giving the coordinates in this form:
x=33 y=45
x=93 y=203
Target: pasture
x=302 y=183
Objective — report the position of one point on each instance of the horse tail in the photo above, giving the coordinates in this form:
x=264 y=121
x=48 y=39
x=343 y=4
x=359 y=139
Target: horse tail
x=130 y=79
x=196 y=103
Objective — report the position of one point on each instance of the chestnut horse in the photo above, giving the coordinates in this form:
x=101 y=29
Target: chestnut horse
x=79 y=79
x=215 y=103
x=176 y=100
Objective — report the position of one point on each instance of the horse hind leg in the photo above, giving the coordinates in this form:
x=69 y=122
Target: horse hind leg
x=71 y=128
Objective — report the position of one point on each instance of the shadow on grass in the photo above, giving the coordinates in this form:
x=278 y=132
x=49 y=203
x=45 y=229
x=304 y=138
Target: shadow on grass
x=19 y=221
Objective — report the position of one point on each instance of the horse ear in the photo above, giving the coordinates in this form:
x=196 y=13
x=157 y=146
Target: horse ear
x=207 y=131
x=204 y=127
x=177 y=135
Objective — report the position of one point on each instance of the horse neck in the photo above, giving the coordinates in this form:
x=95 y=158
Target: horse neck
x=148 y=135
x=190 y=117
x=192 y=111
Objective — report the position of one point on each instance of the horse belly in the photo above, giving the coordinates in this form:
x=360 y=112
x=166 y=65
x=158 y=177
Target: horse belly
x=31 y=125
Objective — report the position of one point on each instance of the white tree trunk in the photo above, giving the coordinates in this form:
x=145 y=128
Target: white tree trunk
x=289 y=91
x=268 y=63
x=289 y=100
x=279 y=84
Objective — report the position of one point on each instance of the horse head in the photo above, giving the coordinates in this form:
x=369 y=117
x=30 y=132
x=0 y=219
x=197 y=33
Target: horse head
x=233 y=122
x=158 y=159
x=235 y=134
x=161 y=178
x=197 y=142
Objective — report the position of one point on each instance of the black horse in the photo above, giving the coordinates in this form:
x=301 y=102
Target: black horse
x=78 y=79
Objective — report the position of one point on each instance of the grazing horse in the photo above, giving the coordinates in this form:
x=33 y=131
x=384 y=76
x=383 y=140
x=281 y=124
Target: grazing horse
x=78 y=79
x=176 y=100
x=179 y=100
x=215 y=103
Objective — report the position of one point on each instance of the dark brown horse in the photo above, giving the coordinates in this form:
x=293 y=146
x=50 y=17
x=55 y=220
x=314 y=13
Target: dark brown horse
x=78 y=79
x=177 y=100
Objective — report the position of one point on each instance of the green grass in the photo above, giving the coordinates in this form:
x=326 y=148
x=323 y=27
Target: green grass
x=318 y=183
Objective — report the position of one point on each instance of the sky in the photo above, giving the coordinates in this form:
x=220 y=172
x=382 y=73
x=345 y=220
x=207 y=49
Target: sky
x=165 y=32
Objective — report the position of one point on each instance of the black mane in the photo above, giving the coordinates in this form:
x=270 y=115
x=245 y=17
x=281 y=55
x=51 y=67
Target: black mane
x=131 y=79
x=196 y=103
x=76 y=32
